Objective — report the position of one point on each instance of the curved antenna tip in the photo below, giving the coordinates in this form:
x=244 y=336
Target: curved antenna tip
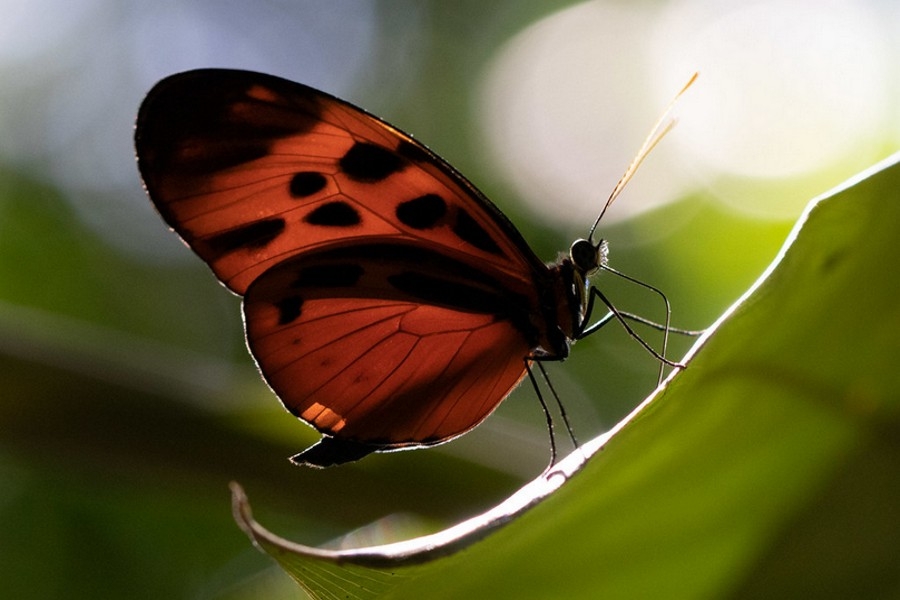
x=662 y=126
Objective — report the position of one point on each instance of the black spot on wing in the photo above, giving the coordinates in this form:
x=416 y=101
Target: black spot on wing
x=203 y=158
x=370 y=163
x=253 y=235
x=211 y=119
x=470 y=231
x=423 y=212
x=306 y=184
x=406 y=273
x=434 y=290
x=289 y=309
x=328 y=276
x=334 y=214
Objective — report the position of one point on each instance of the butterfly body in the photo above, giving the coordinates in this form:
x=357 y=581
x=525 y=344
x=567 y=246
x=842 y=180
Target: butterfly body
x=387 y=302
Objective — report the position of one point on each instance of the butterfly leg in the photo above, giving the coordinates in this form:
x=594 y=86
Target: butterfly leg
x=546 y=409
x=658 y=326
x=547 y=416
x=623 y=319
x=637 y=319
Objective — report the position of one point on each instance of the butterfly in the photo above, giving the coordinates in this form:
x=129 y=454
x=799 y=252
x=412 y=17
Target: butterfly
x=387 y=302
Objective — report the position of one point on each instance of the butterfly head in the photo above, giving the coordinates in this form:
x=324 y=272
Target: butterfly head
x=589 y=257
x=572 y=274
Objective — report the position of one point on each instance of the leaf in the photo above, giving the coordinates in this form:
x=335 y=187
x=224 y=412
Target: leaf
x=767 y=468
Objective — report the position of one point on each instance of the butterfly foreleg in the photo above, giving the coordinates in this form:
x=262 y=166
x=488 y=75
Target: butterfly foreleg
x=638 y=319
x=658 y=326
x=586 y=327
x=623 y=318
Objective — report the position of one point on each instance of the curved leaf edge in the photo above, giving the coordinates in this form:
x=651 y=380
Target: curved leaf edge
x=453 y=539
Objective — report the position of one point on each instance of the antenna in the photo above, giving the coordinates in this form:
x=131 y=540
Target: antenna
x=660 y=129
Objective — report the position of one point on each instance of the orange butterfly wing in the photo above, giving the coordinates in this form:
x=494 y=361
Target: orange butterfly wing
x=387 y=302
x=250 y=169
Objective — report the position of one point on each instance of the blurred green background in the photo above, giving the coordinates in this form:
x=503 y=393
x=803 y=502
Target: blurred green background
x=127 y=398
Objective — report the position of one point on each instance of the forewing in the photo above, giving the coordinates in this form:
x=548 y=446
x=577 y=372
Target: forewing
x=251 y=169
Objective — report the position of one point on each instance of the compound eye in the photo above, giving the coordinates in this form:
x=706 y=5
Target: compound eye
x=585 y=256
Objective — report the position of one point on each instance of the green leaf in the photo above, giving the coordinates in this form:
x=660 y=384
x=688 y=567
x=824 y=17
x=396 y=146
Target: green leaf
x=768 y=468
